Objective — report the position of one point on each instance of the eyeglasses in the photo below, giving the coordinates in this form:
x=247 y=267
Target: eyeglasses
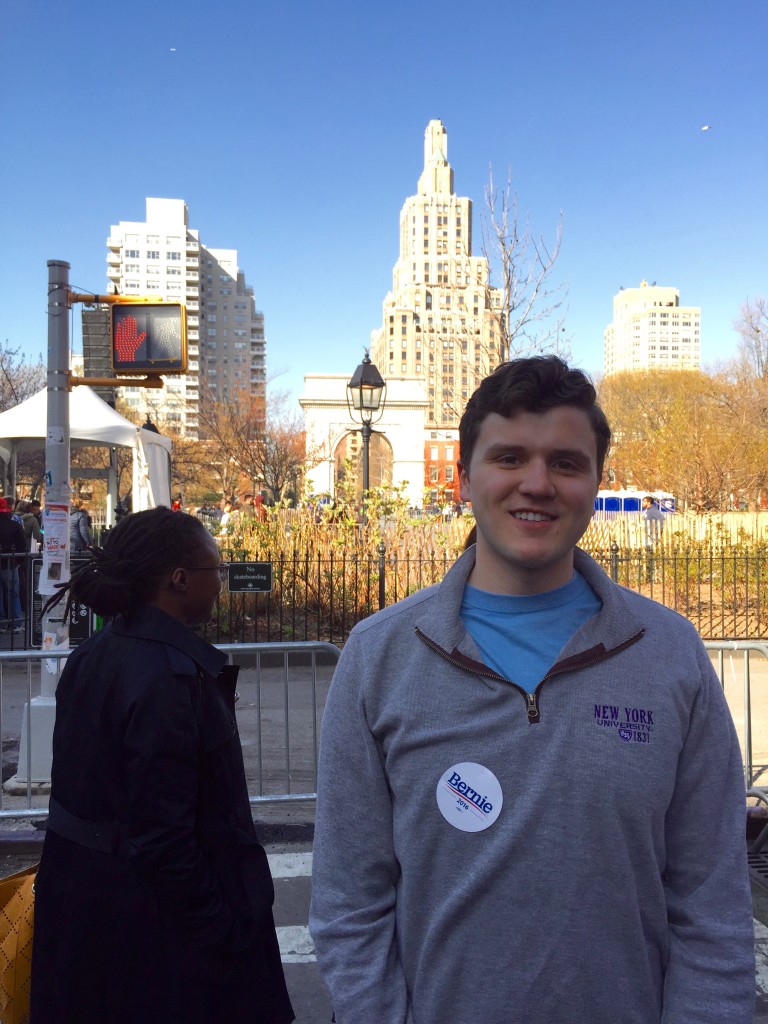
x=222 y=569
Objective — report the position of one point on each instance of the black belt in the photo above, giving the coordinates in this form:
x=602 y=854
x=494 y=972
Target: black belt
x=104 y=836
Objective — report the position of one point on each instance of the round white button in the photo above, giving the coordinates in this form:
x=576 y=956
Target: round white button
x=469 y=796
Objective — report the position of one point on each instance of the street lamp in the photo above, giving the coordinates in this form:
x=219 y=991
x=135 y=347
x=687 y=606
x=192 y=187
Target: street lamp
x=366 y=394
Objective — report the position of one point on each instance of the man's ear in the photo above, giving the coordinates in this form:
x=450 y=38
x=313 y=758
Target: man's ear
x=178 y=580
x=463 y=482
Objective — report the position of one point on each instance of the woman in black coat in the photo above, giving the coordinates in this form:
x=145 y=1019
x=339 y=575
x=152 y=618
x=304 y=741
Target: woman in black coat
x=154 y=898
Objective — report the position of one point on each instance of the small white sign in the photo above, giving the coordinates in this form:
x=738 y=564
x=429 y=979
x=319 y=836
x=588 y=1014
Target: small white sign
x=55 y=435
x=469 y=796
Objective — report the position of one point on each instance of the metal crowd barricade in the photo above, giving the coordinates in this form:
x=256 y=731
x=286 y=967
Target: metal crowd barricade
x=746 y=649
x=282 y=689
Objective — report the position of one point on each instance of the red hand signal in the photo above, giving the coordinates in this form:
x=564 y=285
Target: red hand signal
x=127 y=340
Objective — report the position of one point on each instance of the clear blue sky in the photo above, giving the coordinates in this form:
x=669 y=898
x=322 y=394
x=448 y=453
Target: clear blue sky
x=294 y=131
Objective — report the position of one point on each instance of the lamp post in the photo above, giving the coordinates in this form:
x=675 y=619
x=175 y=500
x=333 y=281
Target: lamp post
x=366 y=394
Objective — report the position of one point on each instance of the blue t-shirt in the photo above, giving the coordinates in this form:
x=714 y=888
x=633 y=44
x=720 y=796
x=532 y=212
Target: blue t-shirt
x=521 y=637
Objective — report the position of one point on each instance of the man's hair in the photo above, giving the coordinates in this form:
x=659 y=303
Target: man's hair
x=649 y=497
x=137 y=553
x=533 y=384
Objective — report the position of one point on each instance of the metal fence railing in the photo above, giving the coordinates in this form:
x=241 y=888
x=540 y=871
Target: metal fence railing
x=724 y=594
x=742 y=667
x=317 y=598
x=282 y=689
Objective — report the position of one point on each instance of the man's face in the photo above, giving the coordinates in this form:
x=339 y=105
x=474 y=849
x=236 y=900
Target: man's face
x=202 y=583
x=532 y=481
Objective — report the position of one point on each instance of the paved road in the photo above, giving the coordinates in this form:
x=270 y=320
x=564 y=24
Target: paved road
x=291 y=872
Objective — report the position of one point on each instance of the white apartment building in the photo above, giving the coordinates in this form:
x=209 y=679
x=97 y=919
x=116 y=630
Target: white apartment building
x=441 y=321
x=163 y=256
x=652 y=331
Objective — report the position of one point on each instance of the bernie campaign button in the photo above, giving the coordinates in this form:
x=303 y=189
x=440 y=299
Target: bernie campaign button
x=469 y=796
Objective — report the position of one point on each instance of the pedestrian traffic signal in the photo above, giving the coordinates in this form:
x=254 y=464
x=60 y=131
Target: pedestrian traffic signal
x=149 y=337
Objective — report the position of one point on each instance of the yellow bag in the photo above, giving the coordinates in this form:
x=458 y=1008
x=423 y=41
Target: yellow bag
x=17 y=915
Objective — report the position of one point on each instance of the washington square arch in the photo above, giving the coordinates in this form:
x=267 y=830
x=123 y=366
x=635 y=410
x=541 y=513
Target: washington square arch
x=334 y=445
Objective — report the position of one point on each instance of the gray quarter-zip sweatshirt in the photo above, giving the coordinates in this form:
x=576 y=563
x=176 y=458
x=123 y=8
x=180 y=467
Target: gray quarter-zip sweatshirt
x=574 y=856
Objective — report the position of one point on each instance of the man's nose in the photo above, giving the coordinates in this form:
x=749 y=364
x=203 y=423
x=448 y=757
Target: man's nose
x=537 y=478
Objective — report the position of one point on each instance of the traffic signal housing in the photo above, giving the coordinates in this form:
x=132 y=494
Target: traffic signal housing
x=149 y=338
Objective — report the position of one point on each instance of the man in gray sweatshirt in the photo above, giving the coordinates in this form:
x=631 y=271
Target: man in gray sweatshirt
x=531 y=803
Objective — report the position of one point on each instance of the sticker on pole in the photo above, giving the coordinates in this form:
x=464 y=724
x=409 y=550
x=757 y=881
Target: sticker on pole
x=469 y=797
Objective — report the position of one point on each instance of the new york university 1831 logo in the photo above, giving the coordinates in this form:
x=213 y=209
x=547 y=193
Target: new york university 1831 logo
x=632 y=725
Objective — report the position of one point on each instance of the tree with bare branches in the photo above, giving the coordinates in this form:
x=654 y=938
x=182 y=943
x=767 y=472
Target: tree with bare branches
x=19 y=379
x=269 y=451
x=521 y=265
x=752 y=329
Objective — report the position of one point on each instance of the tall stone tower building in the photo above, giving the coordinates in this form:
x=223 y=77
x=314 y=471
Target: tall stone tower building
x=652 y=331
x=442 y=319
x=163 y=256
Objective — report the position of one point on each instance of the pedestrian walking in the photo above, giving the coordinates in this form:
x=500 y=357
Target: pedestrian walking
x=154 y=896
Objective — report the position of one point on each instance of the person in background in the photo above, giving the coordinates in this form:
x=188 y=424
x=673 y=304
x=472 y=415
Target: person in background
x=225 y=522
x=531 y=802
x=80 y=536
x=653 y=520
x=154 y=897
x=33 y=535
x=12 y=549
x=653 y=526
x=259 y=508
x=36 y=509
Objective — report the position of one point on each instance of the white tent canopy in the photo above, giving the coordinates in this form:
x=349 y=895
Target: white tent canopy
x=94 y=423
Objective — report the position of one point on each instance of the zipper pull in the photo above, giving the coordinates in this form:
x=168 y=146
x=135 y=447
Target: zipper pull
x=533 y=706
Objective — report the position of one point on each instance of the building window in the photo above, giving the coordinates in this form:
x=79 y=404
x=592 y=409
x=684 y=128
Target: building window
x=449 y=474
x=153 y=254
x=433 y=477
x=433 y=452
x=132 y=254
x=174 y=255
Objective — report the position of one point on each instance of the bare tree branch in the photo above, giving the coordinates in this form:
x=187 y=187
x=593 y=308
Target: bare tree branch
x=521 y=266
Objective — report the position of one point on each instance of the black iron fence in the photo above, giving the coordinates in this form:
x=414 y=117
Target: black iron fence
x=724 y=592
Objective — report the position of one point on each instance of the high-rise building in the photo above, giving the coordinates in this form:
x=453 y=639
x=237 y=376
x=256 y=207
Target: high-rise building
x=652 y=331
x=163 y=256
x=442 y=319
